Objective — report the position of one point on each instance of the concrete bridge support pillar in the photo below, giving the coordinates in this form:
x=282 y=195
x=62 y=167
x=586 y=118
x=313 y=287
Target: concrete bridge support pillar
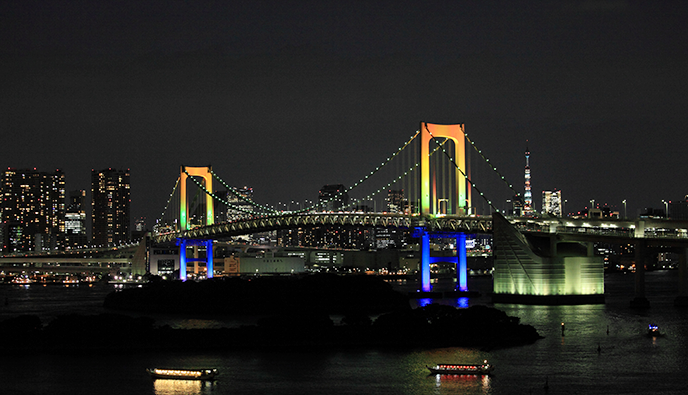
x=182 y=258
x=461 y=275
x=183 y=243
x=682 y=298
x=209 y=259
x=425 y=262
x=196 y=258
x=640 y=301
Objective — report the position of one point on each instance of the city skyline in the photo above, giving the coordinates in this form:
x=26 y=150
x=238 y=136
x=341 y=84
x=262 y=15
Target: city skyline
x=288 y=99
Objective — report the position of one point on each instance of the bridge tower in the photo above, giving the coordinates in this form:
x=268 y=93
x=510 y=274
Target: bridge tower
x=183 y=243
x=461 y=196
x=203 y=172
x=460 y=199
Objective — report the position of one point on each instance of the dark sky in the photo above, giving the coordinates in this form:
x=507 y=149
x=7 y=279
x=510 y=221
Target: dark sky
x=286 y=96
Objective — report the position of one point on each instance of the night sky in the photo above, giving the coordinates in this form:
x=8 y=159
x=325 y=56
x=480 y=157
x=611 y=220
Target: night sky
x=286 y=96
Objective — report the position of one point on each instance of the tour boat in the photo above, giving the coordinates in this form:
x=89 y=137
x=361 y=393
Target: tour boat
x=451 y=368
x=183 y=374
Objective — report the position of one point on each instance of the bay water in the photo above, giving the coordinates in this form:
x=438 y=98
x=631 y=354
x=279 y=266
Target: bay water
x=603 y=350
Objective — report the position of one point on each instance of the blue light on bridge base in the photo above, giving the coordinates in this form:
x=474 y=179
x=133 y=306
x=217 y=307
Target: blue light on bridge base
x=183 y=243
x=209 y=258
x=182 y=258
x=461 y=275
x=426 y=259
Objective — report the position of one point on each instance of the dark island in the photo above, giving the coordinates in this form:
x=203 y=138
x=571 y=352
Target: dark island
x=295 y=314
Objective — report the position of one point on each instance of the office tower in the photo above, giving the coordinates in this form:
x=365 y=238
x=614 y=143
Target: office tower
x=32 y=210
x=551 y=203
x=110 y=202
x=527 y=196
x=75 y=219
x=333 y=198
x=241 y=199
x=396 y=202
x=678 y=209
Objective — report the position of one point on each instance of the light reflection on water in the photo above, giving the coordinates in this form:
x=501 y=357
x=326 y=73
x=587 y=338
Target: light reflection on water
x=461 y=384
x=461 y=303
x=425 y=302
x=605 y=350
x=186 y=387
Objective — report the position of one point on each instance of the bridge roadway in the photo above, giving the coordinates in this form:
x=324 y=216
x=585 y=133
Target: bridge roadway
x=470 y=224
x=652 y=231
x=582 y=229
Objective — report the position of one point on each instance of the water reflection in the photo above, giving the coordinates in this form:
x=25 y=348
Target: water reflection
x=463 y=383
x=185 y=387
x=462 y=303
x=424 y=302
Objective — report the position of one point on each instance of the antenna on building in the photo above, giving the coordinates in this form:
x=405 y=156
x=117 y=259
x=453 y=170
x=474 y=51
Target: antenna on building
x=527 y=196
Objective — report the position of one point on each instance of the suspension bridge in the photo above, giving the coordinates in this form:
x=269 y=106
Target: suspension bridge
x=430 y=174
x=427 y=186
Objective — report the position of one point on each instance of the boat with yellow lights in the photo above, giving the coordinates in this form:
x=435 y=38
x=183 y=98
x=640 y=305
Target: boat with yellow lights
x=453 y=368
x=183 y=374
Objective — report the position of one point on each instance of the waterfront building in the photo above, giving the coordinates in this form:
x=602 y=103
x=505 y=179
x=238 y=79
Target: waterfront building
x=333 y=198
x=32 y=210
x=328 y=236
x=390 y=238
x=110 y=204
x=75 y=219
x=269 y=263
x=551 y=203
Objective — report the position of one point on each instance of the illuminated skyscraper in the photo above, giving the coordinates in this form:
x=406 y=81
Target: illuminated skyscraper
x=527 y=196
x=551 y=203
x=32 y=210
x=110 y=202
x=240 y=198
x=333 y=198
x=75 y=219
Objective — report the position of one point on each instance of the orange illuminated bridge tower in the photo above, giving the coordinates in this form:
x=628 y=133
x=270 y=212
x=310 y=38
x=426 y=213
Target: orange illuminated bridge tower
x=457 y=202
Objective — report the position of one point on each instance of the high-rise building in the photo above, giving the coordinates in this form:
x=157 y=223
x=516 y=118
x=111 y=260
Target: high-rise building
x=240 y=198
x=333 y=198
x=679 y=209
x=75 y=219
x=551 y=203
x=527 y=196
x=32 y=210
x=396 y=202
x=110 y=202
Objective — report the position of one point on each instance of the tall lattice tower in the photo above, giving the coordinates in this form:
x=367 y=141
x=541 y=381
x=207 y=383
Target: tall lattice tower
x=527 y=196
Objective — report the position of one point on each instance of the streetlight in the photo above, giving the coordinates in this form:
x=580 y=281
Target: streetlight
x=624 y=203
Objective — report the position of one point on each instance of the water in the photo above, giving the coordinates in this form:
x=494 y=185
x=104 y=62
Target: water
x=628 y=362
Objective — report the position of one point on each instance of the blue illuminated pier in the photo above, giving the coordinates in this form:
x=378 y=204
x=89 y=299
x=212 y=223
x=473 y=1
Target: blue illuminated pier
x=425 y=259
